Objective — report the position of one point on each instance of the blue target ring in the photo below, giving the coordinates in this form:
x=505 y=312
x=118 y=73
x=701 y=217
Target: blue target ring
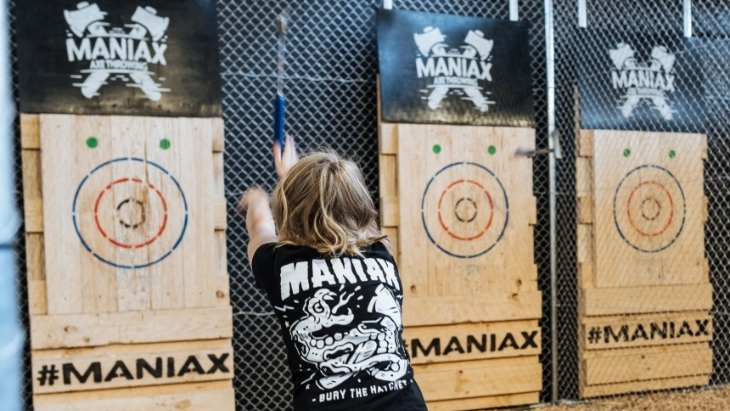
x=502 y=227
x=85 y=243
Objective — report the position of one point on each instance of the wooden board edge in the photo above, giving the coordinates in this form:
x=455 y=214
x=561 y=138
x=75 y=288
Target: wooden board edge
x=497 y=401
x=211 y=396
x=589 y=391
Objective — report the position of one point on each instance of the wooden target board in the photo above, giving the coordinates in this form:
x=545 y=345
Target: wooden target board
x=457 y=202
x=644 y=284
x=128 y=287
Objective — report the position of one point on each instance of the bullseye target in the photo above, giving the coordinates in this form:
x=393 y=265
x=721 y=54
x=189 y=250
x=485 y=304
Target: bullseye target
x=649 y=208
x=464 y=210
x=130 y=213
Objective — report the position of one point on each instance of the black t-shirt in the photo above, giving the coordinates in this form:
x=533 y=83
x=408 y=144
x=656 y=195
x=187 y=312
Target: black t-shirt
x=341 y=323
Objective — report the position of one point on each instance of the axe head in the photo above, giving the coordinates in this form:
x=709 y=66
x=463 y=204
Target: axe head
x=620 y=54
x=78 y=20
x=475 y=38
x=155 y=25
x=429 y=38
x=664 y=58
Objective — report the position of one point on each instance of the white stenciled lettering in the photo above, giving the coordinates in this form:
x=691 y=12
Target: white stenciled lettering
x=374 y=271
x=321 y=274
x=294 y=279
x=390 y=276
x=343 y=270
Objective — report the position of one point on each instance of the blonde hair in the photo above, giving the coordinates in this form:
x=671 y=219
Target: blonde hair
x=322 y=203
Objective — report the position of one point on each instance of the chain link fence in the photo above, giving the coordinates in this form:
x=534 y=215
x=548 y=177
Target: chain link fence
x=331 y=89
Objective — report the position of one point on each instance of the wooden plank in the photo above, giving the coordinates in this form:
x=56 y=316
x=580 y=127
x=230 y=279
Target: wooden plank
x=209 y=396
x=639 y=300
x=220 y=284
x=640 y=386
x=466 y=342
x=32 y=191
x=30 y=132
x=497 y=401
x=198 y=174
x=531 y=207
x=134 y=327
x=220 y=214
x=129 y=138
x=389 y=216
x=418 y=311
x=645 y=330
x=472 y=379
x=37 y=298
x=585 y=143
x=586 y=274
x=123 y=366
x=388 y=138
x=166 y=280
x=388 y=173
x=219 y=189
x=392 y=234
x=705 y=209
x=35 y=257
x=585 y=209
x=218 y=134
x=585 y=243
x=60 y=177
x=681 y=361
x=99 y=287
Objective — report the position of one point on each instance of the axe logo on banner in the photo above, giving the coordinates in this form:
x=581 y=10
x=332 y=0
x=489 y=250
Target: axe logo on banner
x=454 y=70
x=652 y=80
x=108 y=57
x=640 y=81
x=437 y=68
x=125 y=53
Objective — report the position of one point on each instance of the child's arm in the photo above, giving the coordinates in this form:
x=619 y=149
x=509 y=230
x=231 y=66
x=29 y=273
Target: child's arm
x=259 y=219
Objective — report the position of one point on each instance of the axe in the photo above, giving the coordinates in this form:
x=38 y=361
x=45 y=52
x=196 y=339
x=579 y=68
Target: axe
x=86 y=14
x=155 y=25
x=429 y=38
x=475 y=38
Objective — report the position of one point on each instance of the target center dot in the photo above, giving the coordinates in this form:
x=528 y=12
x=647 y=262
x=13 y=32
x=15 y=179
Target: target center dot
x=650 y=209
x=465 y=210
x=131 y=213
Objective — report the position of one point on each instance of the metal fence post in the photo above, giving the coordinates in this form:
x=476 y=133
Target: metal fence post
x=550 y=70
x=687 y=14
x=11 y=334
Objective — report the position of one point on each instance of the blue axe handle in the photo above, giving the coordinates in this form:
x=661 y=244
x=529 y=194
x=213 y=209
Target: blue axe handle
x=279 y=105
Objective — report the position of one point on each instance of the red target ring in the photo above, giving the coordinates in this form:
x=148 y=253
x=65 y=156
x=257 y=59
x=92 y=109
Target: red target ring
x=151 y=188
x=671 y=208
x=489 y=220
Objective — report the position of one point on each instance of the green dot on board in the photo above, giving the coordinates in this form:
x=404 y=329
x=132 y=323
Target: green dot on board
x=165 y=144
x=436 y=148
x=492 y=149
x=92 y=142
x=627 y=152
x=672 y=153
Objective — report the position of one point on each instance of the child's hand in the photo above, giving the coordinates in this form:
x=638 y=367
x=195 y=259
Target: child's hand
x=251 y=196
x=284 y=160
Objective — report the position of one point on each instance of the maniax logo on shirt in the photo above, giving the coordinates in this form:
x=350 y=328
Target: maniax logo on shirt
x=643 y=81
x=457 y=71
x=116 y=53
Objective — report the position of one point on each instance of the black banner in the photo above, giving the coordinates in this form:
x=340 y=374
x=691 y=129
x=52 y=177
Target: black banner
x=140 y=57
x=639 y=81
x=437 y=68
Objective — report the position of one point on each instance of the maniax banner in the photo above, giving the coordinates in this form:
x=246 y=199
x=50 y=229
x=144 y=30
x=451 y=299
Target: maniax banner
x=138 y=57
x=438 y=68
x=639 y=81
